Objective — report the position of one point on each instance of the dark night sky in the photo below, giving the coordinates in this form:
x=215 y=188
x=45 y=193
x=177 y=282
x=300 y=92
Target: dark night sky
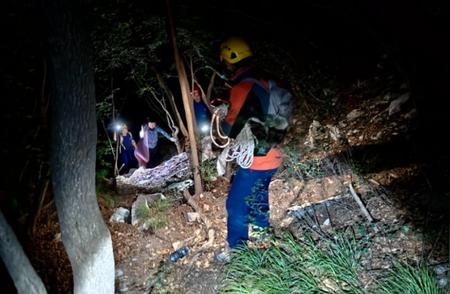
x=349 y=36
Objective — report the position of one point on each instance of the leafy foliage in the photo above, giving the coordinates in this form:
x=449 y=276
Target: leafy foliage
x=208 y=172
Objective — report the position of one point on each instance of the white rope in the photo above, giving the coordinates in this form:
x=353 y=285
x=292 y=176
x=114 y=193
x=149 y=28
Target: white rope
x=218 y=114
x=242 y=148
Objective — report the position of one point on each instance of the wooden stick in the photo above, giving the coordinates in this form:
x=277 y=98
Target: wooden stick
x=187 y=103
x=197 y=209
x=360 y=203
x=210 y=232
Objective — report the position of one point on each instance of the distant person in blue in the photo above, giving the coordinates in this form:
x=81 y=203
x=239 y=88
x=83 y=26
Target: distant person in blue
x=149 y=133
x=202 y=113
x=126 y=151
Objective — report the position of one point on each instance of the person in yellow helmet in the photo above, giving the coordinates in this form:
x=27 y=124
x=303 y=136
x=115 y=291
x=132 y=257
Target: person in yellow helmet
x=234 y=50
x=248 y=201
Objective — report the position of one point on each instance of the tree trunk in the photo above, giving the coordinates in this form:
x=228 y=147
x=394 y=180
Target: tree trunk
x=188 y=107
x=74 y=136
x=19 y=267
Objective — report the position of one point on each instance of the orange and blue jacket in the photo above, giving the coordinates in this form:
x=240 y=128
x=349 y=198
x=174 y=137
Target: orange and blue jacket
x=248 y=99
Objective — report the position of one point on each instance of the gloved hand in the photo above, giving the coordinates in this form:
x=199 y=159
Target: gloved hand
x=221 y=110
x=277 y=128
x=173 y=139
x=276 y=122
x=258 y=128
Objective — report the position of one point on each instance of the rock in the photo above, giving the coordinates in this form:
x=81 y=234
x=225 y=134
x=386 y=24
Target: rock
x=377 y=136
x=442 y=282
x=119 y=273
x=410 y=115
x=335 y=134
x=120 y=215
x=396 y=105
x=144 y=227
x=329 y=286
x=441 y=269
x=315 y=133
x=176 y=245
x=355 y=113
x=143 y=199
x=193 y=216
x=181 y=186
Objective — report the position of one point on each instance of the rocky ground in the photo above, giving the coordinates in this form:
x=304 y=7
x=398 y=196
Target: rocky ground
x=363 y=147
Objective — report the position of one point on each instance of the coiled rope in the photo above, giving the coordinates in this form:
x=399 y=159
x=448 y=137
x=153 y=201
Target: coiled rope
x=240 y=149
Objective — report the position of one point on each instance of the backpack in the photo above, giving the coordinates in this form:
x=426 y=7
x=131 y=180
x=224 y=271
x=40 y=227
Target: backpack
x=280 y=104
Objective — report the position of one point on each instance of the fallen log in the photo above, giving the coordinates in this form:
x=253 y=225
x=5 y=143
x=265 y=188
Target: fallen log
x=151 y=180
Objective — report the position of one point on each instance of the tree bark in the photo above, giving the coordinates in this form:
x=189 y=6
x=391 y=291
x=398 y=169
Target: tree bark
x=74 y=136
x=19 y=267
x=188 y=107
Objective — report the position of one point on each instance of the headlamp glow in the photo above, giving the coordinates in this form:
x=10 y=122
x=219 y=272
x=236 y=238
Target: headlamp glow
x=204 y=128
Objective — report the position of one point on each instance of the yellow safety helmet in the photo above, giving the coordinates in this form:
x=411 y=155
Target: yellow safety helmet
x=234 y=50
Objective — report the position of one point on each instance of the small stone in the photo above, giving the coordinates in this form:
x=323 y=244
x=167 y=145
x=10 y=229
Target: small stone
x=176 y=245
x=206 y=207
x=411 y=114
x=441 y=269
x=192 y=216
x=355 y=113
x=396 y=105
x=377 y=136
x=334 y=132
x=442 y=282
x=119 y=273
x=120 y=215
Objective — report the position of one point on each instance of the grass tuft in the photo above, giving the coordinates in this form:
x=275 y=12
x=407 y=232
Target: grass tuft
x=154 y=215
x=404 y=278
x=323 y=266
